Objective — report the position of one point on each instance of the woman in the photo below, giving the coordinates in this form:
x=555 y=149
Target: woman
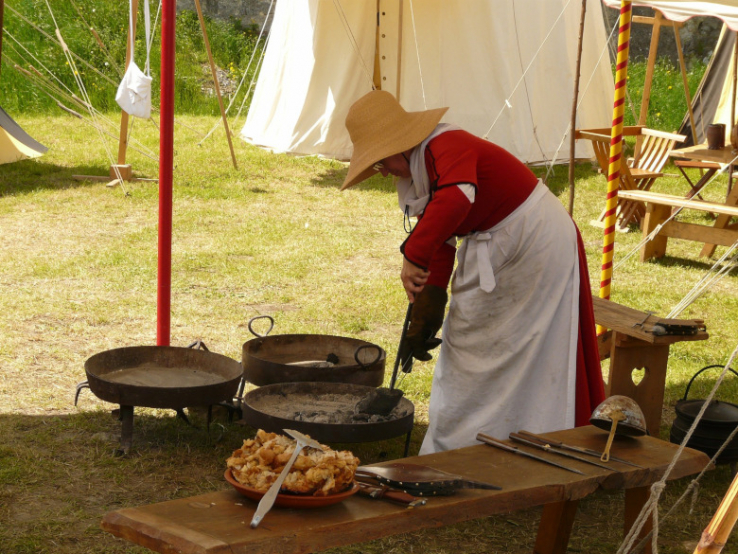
x=519 y=348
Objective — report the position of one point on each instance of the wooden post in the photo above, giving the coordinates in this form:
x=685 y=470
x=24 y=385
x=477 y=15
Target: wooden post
x=2 y=9
x=399 y=49
x=123 y=139
x=717 y=532
x=646 y=98
x=572 y=140
x=215 y=82
x=683 y=67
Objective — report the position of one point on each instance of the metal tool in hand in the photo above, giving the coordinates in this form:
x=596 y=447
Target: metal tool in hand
x=407 y=365
x=267 y=501
x=541 y=444
x=507 y=448
x=579 y=449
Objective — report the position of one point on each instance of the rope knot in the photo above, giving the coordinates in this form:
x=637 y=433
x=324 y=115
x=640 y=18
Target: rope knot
x=657 y=488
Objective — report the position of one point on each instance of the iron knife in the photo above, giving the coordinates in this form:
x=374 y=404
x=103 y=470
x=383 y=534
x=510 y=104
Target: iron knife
x=580 y=449
x=506 y=447
x=542 y=445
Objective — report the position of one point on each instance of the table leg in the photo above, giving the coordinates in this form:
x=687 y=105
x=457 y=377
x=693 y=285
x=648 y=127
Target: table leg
x=635 y=499
x=722 y=221
x=697 y=187
x=554 y=530
x=656 y=247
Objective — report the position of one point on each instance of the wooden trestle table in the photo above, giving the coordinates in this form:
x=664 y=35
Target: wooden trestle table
x=218 y=522
x=721 y=157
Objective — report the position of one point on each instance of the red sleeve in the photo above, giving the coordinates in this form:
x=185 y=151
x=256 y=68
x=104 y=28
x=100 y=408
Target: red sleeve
x=442 y=217
x=442 y=266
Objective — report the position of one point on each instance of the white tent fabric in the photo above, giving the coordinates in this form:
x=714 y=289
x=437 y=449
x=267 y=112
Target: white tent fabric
x=681 y=10
x=469 y=55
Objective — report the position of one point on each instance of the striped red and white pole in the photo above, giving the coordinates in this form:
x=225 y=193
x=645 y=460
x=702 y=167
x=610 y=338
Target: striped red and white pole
x=616 y=150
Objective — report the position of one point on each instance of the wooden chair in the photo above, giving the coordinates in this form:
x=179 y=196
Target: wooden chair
x=637 y=173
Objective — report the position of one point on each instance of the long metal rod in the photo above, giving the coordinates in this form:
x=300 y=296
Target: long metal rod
x=507 y=448
x=166 y=171
x=407 y=365
x=548 y=448
x=579 y=449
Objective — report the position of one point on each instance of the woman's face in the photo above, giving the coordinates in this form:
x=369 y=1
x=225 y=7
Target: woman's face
x=397 y=165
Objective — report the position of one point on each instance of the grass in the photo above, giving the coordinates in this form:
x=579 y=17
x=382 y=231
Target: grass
x=274 y=237
x=30 y=43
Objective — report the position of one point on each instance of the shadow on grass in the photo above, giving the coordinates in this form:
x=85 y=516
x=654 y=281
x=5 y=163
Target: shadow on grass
x=27 y=176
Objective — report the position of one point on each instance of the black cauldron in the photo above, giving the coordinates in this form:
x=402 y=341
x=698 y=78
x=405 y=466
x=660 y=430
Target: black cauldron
x=718 y=422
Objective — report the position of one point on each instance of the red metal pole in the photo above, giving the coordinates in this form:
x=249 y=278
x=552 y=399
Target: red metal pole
x=166 y=164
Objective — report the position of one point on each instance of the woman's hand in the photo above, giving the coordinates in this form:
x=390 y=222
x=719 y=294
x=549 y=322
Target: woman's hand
x=413 y=278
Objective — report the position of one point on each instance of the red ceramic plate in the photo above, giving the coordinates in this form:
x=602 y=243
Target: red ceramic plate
x=292 y=500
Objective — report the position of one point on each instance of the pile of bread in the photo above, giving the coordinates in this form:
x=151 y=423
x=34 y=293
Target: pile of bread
x=260 y=460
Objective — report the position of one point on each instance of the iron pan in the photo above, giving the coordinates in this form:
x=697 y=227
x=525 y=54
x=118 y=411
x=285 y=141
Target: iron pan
x=163 y=377
x=324 y=432
x=272 y=359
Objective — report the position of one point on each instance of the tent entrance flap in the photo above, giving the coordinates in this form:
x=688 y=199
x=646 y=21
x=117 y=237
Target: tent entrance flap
x=15 y=143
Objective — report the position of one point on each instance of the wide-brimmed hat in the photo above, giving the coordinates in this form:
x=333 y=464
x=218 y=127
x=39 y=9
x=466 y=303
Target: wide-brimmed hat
x=379 y=127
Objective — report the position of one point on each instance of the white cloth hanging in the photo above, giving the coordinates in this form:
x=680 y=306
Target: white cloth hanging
x=134 y=91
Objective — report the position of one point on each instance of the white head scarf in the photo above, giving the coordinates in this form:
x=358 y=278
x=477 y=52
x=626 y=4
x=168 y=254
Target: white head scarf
x=414 y=192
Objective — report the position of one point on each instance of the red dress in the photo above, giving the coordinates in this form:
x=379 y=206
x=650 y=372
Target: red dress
x=502 y=184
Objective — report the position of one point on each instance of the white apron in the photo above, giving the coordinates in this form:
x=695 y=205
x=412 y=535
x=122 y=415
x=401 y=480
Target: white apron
x=508 y=358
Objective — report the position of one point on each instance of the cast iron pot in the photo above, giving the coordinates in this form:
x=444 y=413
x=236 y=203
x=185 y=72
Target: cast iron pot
x=269 y=360
x=717 y=423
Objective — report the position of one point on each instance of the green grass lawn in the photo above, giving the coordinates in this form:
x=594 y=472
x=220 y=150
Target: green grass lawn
x=274 y=237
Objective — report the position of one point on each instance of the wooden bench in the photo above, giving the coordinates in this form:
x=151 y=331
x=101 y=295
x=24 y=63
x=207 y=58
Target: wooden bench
x=218 y=522
x=659 y=208
x=636 y=351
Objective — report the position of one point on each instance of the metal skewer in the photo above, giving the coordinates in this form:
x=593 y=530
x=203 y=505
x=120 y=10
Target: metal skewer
x=537 y=443
x=506 y=447
x=580 y=449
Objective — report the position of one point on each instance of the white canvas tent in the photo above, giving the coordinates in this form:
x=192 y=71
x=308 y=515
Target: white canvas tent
x=505 y=69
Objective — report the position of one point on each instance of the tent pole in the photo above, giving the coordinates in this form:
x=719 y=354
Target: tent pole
x=399 y=49
x=123 y=140
x=572 y=140
x=720 y=527
x=215 y=82
x=616 y=150
x=166 y=165
x=2 y=9
x=653 y=50
x=678 y=39
x=732 y=104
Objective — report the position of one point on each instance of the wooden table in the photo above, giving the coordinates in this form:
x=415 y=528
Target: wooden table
x=632 y=346
x=722 y=156
x=218 y=522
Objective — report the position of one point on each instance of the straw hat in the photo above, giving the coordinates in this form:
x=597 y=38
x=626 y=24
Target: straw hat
x=379 y=127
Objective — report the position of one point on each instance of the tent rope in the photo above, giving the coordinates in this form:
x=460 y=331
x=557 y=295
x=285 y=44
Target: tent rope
x=551 y=166
x=86 y=98
x=707 y=282
x=352 y=39
x=51 y=38
x=693 y=489
x=527 y=92
x=243 y=77
x=676 y=212
x=651 y=506
x=417 y=54
x=507 y=103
